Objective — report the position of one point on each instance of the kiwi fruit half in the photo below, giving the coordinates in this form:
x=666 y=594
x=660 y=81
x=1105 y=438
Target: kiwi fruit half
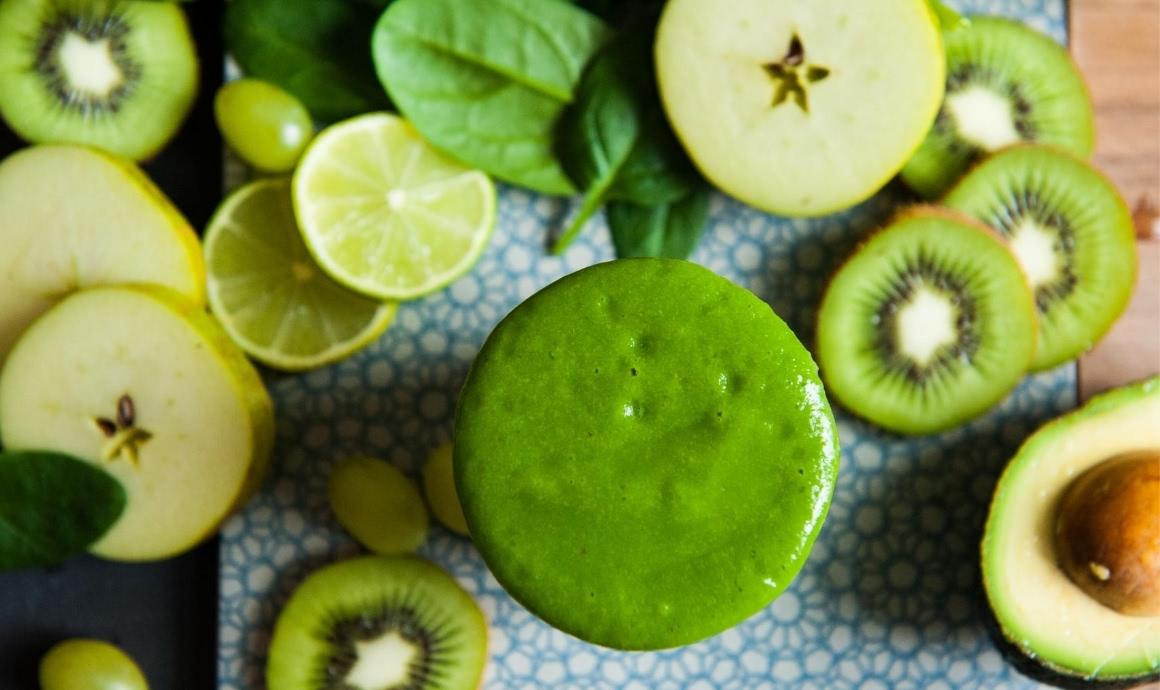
x=927 y=325
x=115 y=74
x=1072 y=233
x=1006 y=83
x=378 y=623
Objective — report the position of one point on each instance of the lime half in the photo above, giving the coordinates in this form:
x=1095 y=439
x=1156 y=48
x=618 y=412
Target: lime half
x=387 y=215
x=270 y=295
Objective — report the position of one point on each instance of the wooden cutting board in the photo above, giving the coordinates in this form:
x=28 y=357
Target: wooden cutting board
x=1117 y=46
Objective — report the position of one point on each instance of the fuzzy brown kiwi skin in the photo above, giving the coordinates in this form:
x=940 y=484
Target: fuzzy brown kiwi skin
x=281 y=623
x=920 y=210
x=1119 y=309
x=1088 y=145
x=148 y=155
x=1054 y=148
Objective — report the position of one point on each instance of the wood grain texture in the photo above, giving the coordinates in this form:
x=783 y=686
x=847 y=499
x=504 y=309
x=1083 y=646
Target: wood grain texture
x=1116 y=44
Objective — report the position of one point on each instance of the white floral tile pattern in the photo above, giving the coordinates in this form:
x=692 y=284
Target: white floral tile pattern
x=890 y=598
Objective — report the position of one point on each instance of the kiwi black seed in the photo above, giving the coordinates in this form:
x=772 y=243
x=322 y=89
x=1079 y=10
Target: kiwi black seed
x=375 y=622
x=927 y=325
x=1072 y=233
x=115 y=74
x=1006 y=83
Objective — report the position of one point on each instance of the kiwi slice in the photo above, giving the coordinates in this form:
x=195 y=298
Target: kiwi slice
x=1006 y=83
x=378 y=623
x=115 y=74
x=1072 y=233
x=927 y=325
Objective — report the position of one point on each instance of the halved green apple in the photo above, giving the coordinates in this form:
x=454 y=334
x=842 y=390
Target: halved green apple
x=142 y=382
x=73 y=217
x=800 y=107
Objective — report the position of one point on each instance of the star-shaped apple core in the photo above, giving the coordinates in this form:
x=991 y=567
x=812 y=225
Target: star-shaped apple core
x=123 y=438
x=792 y=74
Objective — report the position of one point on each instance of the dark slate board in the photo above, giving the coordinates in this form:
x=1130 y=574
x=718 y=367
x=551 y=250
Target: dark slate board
x=163 y=614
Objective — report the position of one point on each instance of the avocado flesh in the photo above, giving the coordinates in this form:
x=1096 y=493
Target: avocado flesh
x=1037 y=607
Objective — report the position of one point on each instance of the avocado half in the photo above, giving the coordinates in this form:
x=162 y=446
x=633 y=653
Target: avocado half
x=1048 y=626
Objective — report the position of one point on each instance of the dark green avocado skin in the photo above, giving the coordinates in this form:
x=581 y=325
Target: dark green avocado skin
x=1040 y=673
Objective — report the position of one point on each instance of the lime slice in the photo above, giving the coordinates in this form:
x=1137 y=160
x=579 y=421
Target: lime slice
x=387 y=215
x=268 y=292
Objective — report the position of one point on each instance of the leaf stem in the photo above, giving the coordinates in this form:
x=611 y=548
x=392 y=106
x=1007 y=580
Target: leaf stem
x=592 y=201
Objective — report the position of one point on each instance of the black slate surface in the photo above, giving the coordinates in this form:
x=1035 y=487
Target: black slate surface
x=163 y=614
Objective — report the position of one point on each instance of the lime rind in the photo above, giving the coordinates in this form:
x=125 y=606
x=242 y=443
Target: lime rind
x=385 y=214
x=270 y=296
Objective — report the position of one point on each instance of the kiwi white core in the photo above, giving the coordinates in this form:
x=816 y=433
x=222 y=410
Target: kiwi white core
x=383 y=662
x=983 y=117
x=925 y=325
x=89 y=65
x=1034 y=247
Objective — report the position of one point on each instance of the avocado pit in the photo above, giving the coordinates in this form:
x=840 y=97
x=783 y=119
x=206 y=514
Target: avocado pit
x=1107 y=532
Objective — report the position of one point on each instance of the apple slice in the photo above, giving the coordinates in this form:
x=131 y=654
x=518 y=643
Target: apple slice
x=73 y=217
x=800 y=107
x=142 y=382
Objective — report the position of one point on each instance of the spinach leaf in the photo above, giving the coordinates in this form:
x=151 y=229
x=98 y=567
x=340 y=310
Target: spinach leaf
x=599 y=132
x=671 y=229
x=52 y=506
x=315 y=49
x=487 y=80
x=614 y=141
x=658 y=170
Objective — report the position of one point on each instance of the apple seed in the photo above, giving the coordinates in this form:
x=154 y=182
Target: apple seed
x=791 y=74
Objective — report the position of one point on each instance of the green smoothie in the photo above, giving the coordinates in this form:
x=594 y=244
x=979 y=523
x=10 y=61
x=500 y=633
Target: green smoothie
x=644 y=453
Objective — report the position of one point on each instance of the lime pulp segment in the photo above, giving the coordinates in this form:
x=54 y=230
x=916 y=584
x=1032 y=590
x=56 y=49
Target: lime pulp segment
x=270 y=295
x=387 y=215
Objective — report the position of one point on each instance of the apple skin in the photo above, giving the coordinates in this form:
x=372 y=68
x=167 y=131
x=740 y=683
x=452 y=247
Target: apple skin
x=74 y=217
x=207 y=419
x=870 y=76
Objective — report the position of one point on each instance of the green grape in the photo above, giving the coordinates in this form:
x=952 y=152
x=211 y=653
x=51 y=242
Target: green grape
x=439 y=485
x=378 y=505
x=89 y=665
x=263 y=124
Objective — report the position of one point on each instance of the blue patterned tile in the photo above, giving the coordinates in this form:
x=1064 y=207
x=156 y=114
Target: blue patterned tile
x=890 y=598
